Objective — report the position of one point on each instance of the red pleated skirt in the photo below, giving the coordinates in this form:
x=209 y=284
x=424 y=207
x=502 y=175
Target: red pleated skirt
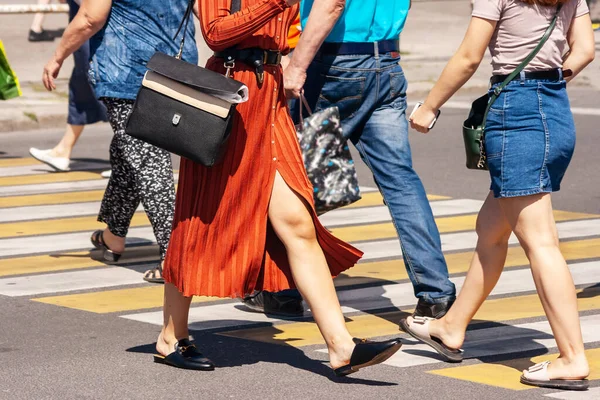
x=222 y=244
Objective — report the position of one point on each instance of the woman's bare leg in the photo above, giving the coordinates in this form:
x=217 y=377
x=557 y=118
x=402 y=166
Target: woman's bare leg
x=533 y=222
x=64 y=148
x=38 y=19
x=293 y=224
x=486 y=266
x=176 y=310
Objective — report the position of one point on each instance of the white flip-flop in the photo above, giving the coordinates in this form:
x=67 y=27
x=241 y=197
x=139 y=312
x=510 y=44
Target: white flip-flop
x=538 y=376
x=58 y=163
x=419 y=329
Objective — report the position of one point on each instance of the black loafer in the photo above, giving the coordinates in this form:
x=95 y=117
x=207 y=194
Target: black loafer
x=367 y=353
x=186 y=356
x=43 y=36
x=432 y=310
x=274 y=304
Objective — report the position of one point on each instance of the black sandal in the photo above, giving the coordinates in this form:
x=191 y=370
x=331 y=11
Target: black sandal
x=186 y=356
x=368 y=353
x=97 y=240
x=150 y=275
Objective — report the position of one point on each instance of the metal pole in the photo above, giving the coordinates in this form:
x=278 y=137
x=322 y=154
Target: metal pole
x=33 y=8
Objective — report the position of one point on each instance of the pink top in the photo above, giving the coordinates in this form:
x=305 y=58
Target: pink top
x=520 y=28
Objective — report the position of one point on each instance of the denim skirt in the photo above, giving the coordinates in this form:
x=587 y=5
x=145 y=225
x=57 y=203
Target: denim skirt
x=529 y=138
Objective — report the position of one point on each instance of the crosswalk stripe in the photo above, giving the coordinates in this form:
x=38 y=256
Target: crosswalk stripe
x=299 y=334
x=370 y=215
x=56 y=187
x=49 y=199
x=375 y=199
x=445 y=225
x=18 y=162
x=117 y=300
x=506 y=374
x=48 y=178
x=36 y=169
x=68 y=281
x=364 y=299
x=66 y=261
x=53 y=226
x=590 y=394
x=374 y=250
x=393 y=270
x=460 y=241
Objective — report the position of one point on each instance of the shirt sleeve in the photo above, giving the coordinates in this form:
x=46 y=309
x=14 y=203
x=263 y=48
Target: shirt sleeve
x=582 y=8
x=221 y=29
x=488 y=9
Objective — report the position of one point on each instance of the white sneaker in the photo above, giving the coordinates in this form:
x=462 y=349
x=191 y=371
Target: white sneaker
x=58 y=163
x=106 y=174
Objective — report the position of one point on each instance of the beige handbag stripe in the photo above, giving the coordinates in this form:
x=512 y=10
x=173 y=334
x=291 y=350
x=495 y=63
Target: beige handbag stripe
x=186 y=94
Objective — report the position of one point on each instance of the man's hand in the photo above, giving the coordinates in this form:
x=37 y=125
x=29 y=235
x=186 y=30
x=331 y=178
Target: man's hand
x=422 y=118
x=293 y=81
x=51 y=71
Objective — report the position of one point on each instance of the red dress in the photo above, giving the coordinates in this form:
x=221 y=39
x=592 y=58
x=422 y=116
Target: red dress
x=222 y=243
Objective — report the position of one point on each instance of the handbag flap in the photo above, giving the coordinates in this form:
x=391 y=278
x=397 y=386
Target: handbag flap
x=186 y=94
x=192 y=75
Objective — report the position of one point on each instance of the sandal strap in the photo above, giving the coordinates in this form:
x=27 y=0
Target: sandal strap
x=420 y=326
x=538 y=372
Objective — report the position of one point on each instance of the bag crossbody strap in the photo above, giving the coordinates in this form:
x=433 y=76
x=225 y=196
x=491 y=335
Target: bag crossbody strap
x=235 y=7
x=521 y=66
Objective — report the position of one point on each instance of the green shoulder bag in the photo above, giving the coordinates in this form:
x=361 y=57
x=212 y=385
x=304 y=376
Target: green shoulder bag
x=474 y=126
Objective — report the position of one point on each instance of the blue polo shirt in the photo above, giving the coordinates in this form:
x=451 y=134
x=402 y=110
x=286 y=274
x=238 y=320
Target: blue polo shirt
x=365 y=20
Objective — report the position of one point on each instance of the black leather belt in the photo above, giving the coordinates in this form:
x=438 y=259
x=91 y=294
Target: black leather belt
x=551 y=75
x=253 y=56
x=385 y=46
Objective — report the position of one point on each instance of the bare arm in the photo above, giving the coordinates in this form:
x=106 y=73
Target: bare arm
x=581 y=44
x=458 y=71
x=90 y=19
x=323 y=17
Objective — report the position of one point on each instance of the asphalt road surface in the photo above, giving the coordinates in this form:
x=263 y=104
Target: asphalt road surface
x=73 y=327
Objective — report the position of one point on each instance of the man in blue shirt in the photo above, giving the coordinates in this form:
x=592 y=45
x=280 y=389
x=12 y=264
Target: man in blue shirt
x=348 y=56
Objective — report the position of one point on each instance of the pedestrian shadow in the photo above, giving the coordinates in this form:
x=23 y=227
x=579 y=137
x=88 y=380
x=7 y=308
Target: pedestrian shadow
x=230 y=352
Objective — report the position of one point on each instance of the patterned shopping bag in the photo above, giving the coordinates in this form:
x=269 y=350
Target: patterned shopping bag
x=328 y=161
x=9 y=84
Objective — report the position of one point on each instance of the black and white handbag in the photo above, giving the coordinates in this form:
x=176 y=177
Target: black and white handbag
x=186 y=109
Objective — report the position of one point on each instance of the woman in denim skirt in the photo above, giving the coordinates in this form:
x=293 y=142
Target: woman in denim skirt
x=529 y=140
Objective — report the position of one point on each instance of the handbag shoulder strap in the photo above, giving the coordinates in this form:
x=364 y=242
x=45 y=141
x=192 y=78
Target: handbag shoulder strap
x=525 y=62
x=235 y=7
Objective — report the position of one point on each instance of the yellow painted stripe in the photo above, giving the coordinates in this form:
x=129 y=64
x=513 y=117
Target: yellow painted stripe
x=393 y=270
x=49 y=199
x=306 y=333
x=375 y=199
x=18 y=162
x=63 y=225
x=506 y=374
x=49 y=178
x=71 y=260
x=445 y=225
x=118 y=300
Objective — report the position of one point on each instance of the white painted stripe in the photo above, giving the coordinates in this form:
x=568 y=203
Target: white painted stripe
x=461 y=105
x=16 y=214
x=495 y=341
x=68 y=281
x=37 y=169
x=354 y=216
x=65 y=242
x=67 y=210
x=590 y=394
x=58 y=187
x=373 y=250
x=372 y=298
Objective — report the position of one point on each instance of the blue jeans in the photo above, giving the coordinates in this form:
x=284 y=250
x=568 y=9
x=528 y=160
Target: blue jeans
x=529 y=138
x=370 y=92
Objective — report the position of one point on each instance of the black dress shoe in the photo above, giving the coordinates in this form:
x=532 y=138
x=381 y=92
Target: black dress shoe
x=275 y=304
x=367 y=353
x=186 y=356
x=43 y=36
x=432 y=310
